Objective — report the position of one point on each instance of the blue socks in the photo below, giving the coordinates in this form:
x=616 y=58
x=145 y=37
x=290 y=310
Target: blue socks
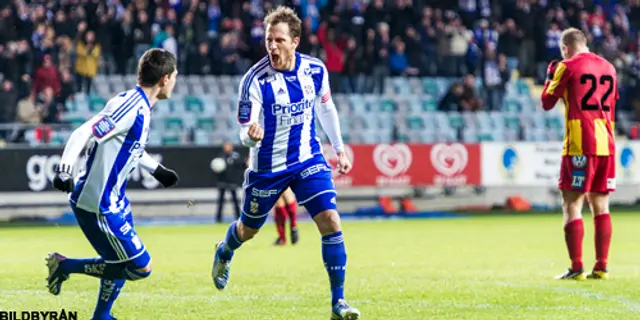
x=96 y=267
x=109 y=291
x=92 y=266
x=231 y=243
x=334 y=256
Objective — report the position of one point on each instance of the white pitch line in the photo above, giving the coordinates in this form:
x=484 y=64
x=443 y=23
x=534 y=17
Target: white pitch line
x=455 y=305
x=630 y=304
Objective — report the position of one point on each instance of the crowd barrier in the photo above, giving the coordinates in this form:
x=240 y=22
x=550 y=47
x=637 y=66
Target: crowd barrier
x=490 y=164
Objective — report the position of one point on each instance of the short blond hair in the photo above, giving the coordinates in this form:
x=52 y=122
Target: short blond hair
x=573 y=37
x=283 y=14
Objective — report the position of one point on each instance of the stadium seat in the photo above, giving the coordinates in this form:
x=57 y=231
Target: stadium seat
x=193 y=104
x=456 y=120
x=202 y=137
x=511 y=105
x=429 y=104
x=430 y=87
x=172 y=139
x=511 y=121
x=96 y=103
x=173 y=123
x=415 y=123
x=206 y=124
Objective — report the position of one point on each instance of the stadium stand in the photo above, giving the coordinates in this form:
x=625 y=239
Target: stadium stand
x=414 y=71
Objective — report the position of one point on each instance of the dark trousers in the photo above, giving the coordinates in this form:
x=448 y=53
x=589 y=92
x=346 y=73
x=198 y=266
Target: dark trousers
x=234 y=197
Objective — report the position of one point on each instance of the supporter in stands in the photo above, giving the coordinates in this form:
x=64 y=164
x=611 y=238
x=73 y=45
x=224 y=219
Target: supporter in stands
x=437 y=40
x=30 y=111
x=461 y=96
x=634 y=86
x=335 y=54
x=87 y=60
x=9 y=98
x=495 y=75
x=46 y=76
x=200 y=62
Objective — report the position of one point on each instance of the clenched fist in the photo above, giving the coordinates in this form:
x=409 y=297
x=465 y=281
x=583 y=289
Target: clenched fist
x=256 y=133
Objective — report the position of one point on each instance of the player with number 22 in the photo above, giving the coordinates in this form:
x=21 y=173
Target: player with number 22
x=588 y=85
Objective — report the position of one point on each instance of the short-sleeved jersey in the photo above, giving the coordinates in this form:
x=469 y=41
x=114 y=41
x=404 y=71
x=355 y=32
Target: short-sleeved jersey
x=589 y=87
x=283 y=103
x=119 y=135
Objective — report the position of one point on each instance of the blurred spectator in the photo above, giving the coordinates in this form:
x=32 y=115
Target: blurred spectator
x=453 y=47
x=362 y=42
x=496 y=74
x=30 y=111
x=398 y=61
x=351 y=68
x=170 y=43
x=509 y=43
x=87 y=60
x=634 y=86
x=229 y=54
x=380 y=60
x=50 y=109
x=335 y=55
x=9 y=97
x=452 y=100
x=46 y=76
x=199 y=62
x=68 y=88
x=65 y=53
x=461 y=96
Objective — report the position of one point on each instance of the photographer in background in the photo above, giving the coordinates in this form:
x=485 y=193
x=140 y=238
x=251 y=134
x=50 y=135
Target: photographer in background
x=228 y=168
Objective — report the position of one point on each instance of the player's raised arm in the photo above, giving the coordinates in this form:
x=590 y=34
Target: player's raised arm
x=117 y=117
x=557 y=79
x=328 y=115
x=249 y=107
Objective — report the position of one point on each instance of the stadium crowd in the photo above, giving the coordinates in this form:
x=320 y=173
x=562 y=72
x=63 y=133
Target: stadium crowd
x=50 y=50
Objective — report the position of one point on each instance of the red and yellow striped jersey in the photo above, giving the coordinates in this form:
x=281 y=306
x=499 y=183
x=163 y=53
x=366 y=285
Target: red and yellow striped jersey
x=588 y=85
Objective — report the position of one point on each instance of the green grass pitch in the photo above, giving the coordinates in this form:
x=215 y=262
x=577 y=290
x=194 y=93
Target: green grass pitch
x=499 y=267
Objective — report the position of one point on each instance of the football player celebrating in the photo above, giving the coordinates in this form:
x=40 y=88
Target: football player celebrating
x=279 y=98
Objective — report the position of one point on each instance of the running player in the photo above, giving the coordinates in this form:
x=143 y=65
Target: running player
x=588 y=84
x=115 y=140
x=286 y=206
x=276 y=110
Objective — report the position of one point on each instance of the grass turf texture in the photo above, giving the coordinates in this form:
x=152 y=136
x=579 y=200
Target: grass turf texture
x=471 y=268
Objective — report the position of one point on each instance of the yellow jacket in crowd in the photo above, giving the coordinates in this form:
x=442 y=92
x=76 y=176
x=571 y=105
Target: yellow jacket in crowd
x=87 y=59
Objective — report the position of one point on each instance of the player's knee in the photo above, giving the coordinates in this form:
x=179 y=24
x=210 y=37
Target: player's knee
x=572 y=203
x=288 y=197
x=246 y=233
x=328 y=221
x=134 y=273
x=598 y=202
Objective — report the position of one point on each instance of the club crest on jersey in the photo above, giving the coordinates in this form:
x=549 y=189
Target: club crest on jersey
x=268 y=79
x=312 y=71
x=102 y=127
x=244 y=111
x=579 y=161
x=308 y=90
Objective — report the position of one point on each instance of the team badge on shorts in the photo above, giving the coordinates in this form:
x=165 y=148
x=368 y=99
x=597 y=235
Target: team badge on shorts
x=579 y=161
x=577 y=179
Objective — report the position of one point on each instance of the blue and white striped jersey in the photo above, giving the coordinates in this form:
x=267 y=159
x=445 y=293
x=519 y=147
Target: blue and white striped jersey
x=283 y=103
x=118 y=138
